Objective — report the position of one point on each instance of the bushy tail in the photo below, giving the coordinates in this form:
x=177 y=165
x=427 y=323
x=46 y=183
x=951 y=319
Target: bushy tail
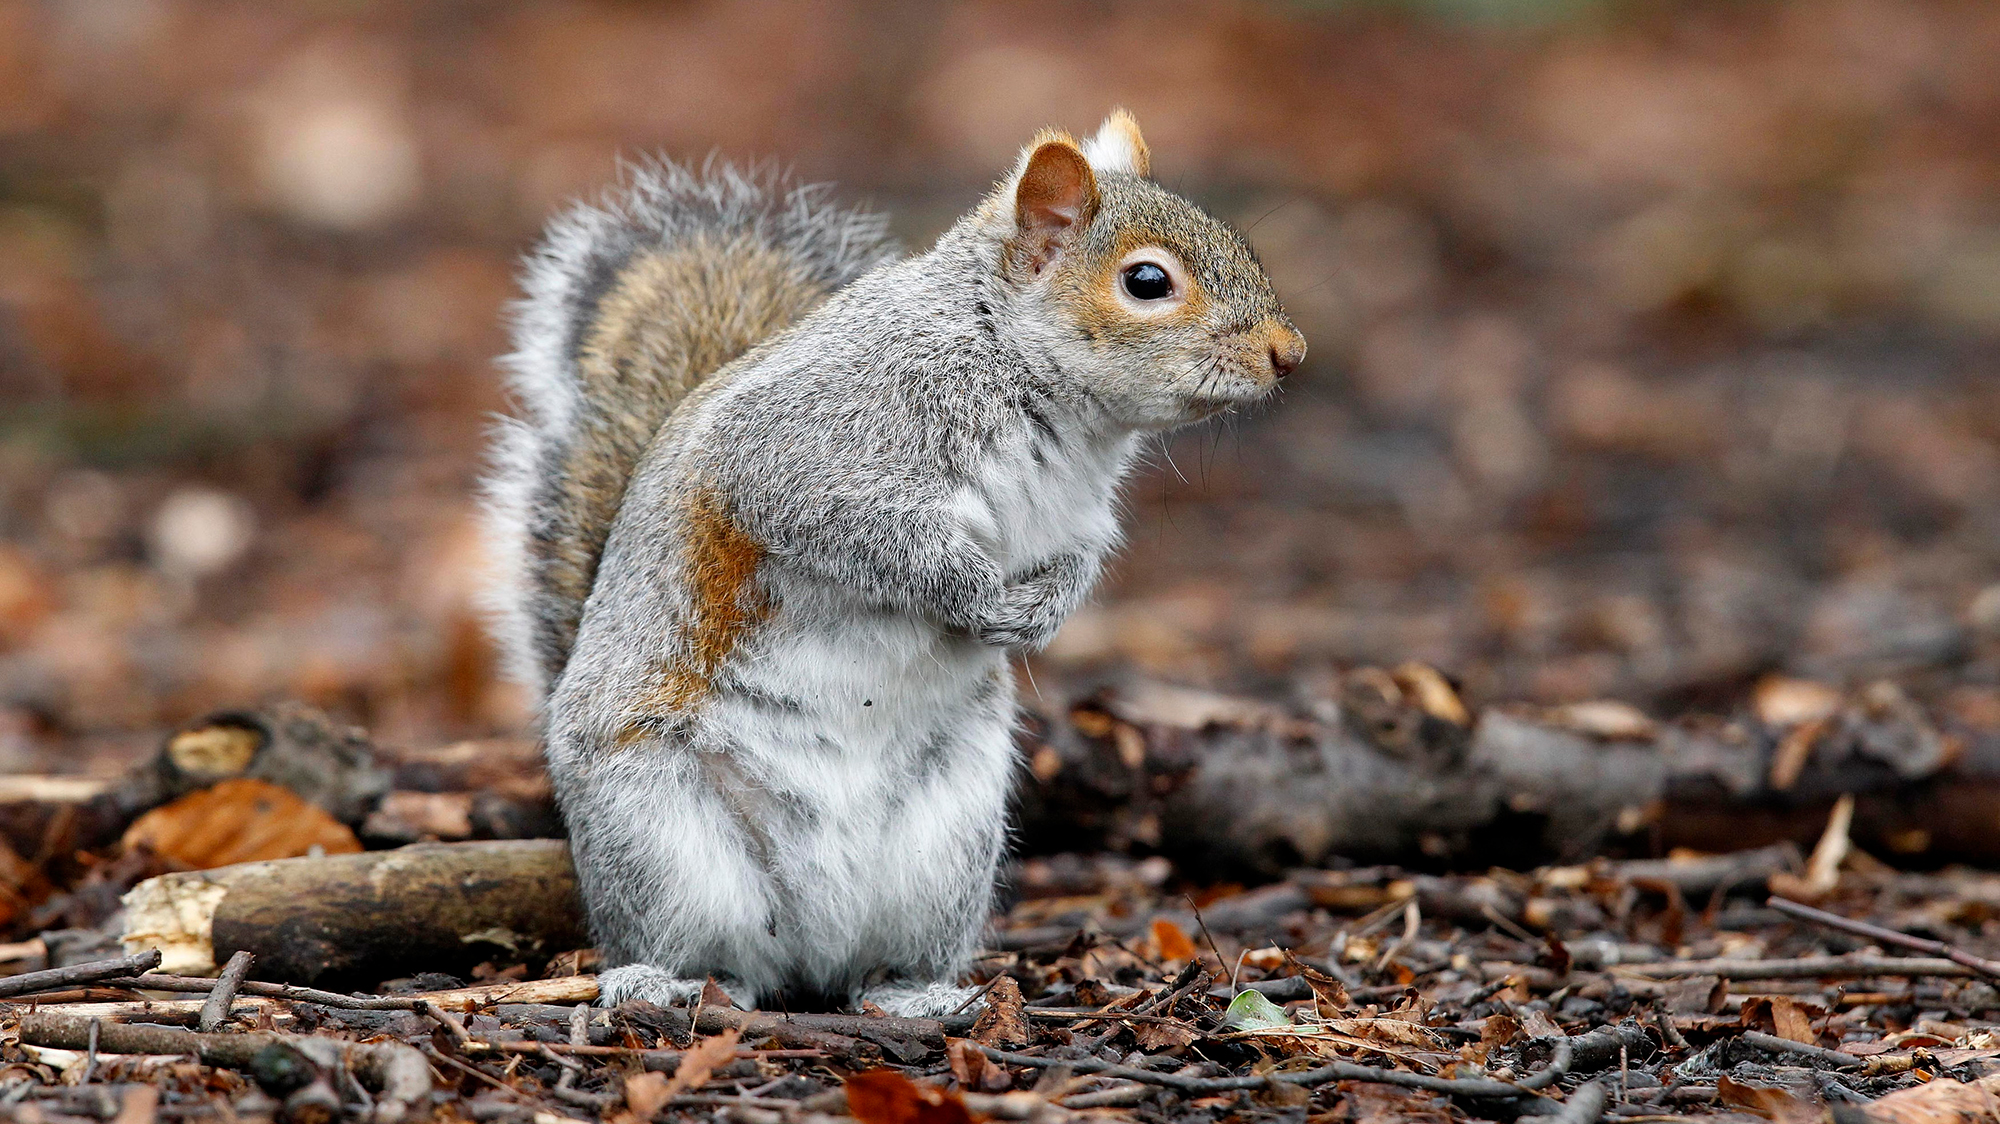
x=629 y=305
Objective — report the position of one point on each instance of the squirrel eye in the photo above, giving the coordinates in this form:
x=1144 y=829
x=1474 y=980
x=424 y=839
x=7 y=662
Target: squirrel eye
x=1148 y=282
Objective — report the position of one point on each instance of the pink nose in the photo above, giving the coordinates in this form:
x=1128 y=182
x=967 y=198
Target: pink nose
x=1288 y=349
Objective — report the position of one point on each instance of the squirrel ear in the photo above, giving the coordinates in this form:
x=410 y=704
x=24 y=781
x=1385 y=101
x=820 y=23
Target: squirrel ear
x=1055 y=194
x=1118 y=147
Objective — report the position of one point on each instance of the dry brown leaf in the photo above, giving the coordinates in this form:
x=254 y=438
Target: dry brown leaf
x=698 y=1063
x=1768 y=1101
x=1157 y=1037
x=712 y=995
x=141 y=1105
x=1499 y=1030
x=883 y=1096
x=1004 y=1023
x=238 y=821
x=1175 y=947
x=1377 y=1104
x=645 y=1095
x=969 y=1065
x=1783 y=1016
x=1537 y=1024
x=1941 y=1101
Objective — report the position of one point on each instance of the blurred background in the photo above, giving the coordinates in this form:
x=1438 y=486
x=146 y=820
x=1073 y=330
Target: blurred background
x=1653 y=345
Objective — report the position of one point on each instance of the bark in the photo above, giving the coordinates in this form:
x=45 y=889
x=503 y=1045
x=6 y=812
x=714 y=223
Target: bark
x=365 y=916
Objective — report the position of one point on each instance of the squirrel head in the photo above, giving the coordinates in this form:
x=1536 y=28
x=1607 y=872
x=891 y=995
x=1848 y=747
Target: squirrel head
x=1160 y=307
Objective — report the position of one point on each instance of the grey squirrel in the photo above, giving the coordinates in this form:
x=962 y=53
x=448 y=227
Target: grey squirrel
x=782 y=504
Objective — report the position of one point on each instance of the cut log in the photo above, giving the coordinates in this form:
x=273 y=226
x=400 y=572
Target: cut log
x=362 y=917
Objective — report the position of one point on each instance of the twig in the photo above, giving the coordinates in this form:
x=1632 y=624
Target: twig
x=1798 y=968
x=480 y=1045
x=80 y=973
x=1093 y=1016
x=1950 y=952
x=216 y=1011
x=977 y=995
x=1335 y=1071
x=1205 y=935
x=1802 y=1049
x=444 y=1018
x=201 y=985
x=1118 y=1096
x=729 y=1100
x=1586 y=1105
x=579 y=1035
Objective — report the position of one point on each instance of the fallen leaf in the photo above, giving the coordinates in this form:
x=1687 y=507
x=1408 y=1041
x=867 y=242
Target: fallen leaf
x=712 y=995
x=1538 y=1024
x=1768 y=1101
x=972 y=1070
x=1175 y=947
x=1161 y=1037
x=238 y=821
x=645 y=1095
x=1252 y=1011
x=884 y=1096
x=1004 y=1024
x=1782 y=1015
x=698 y=1063
x=1941 y=1101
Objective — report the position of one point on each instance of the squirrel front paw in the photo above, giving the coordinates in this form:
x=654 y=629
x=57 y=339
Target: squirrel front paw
x=1030 y=611
x=1019 y=621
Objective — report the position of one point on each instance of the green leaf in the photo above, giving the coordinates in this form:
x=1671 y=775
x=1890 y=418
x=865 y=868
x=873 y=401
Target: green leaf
x=1251 y=1011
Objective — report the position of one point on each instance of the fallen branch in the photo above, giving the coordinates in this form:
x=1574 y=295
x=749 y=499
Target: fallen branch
x=1474 y=1088
x=1953 y=953
x=399 y=1074
x=1819 y=1054
x=1586 y=1105
x=216 y=1009
x=95 y=972
x=1800 y=968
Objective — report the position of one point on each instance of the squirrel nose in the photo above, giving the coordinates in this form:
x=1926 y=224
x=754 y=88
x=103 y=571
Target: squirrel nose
x=1288 y=350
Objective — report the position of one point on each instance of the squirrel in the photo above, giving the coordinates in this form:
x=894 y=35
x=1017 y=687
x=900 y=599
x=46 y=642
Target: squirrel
x=782 y=505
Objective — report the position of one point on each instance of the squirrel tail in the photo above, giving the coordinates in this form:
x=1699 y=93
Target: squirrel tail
x=629 y=305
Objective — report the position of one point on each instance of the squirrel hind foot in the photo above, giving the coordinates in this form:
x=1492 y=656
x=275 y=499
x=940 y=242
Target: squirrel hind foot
x=648 y=983
x=922 y=1000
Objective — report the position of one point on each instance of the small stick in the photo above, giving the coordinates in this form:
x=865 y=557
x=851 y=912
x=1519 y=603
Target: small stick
x=1118 y=1096
x=1586 y=1105
x=1950 y=952
x=1203 y=926
x=1803 y=1049
x=977 y=995
x=79 y=973
x=480 y=1045
x=444 y=1018
x=216 y=1011
x=199 y=984
x=579 y=1035
x=1800 y=968
x=1336 y=1071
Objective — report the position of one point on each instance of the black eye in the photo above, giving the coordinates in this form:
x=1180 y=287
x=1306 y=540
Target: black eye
x=1148 y=282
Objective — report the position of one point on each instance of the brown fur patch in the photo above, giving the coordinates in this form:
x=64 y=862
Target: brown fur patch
x=719 y=567
x=668 y=322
